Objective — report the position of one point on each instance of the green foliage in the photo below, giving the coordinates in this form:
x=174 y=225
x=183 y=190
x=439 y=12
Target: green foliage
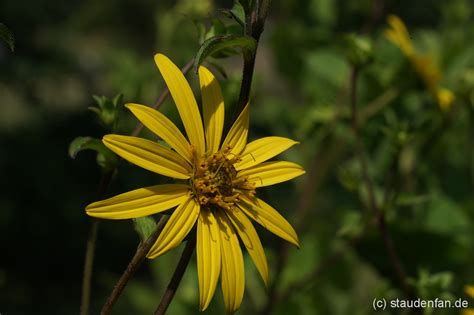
x=222 y=40
x=108 y=110
x=106 y=159
x=226 y=45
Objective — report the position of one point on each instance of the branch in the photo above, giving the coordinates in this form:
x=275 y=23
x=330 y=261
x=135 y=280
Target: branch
x=132 y=267
x=177 y=276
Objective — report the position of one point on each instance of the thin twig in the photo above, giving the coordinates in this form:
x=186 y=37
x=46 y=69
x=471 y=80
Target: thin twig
x=90 y=247
x=88 y=264
x=177 y=276
x=132 y=267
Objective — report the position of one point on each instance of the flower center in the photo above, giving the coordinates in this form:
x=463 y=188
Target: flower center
x=215 y=182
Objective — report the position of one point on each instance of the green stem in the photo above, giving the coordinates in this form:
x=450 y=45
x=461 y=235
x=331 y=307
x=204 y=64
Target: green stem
x=132 y=267
x=177 y=276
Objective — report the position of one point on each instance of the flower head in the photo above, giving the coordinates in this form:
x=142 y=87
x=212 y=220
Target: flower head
x=218 y=193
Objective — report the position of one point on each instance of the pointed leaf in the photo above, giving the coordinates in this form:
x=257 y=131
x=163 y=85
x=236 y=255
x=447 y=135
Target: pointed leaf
x=222 y=42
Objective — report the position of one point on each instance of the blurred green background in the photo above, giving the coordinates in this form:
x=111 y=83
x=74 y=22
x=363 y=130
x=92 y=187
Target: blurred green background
x=420 y=157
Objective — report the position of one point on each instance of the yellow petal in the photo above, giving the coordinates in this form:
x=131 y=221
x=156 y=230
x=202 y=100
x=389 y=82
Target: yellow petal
x=149 y=155
x=250 y=238
x=270 y=173
x=163 y=128
x=269 y=218
x=468 y=311
x=397 y=24
x=399 y=35
x=178 y=226
x=237 y=136
x=139 y=202
x=213 y=108
x=232 y=265
x=185 y=102
x=208 y=256
x=260 y=150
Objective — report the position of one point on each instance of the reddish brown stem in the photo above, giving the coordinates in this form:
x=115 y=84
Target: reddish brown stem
x=177 y=276
x=132 y=267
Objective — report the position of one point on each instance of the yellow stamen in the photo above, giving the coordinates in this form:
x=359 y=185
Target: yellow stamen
x=215 y=183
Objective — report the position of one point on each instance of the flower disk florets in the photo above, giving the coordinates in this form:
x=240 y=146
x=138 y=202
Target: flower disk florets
x=215 y=182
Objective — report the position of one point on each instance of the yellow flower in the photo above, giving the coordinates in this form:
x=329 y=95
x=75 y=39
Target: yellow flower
x=423 y=65
x=218 y=194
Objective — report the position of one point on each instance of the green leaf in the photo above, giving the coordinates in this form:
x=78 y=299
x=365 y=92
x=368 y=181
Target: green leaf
x=222 y=43
x=237 y=13
x=7 y=36
x=144 y=226
x=84 y=143
x=106 y=159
